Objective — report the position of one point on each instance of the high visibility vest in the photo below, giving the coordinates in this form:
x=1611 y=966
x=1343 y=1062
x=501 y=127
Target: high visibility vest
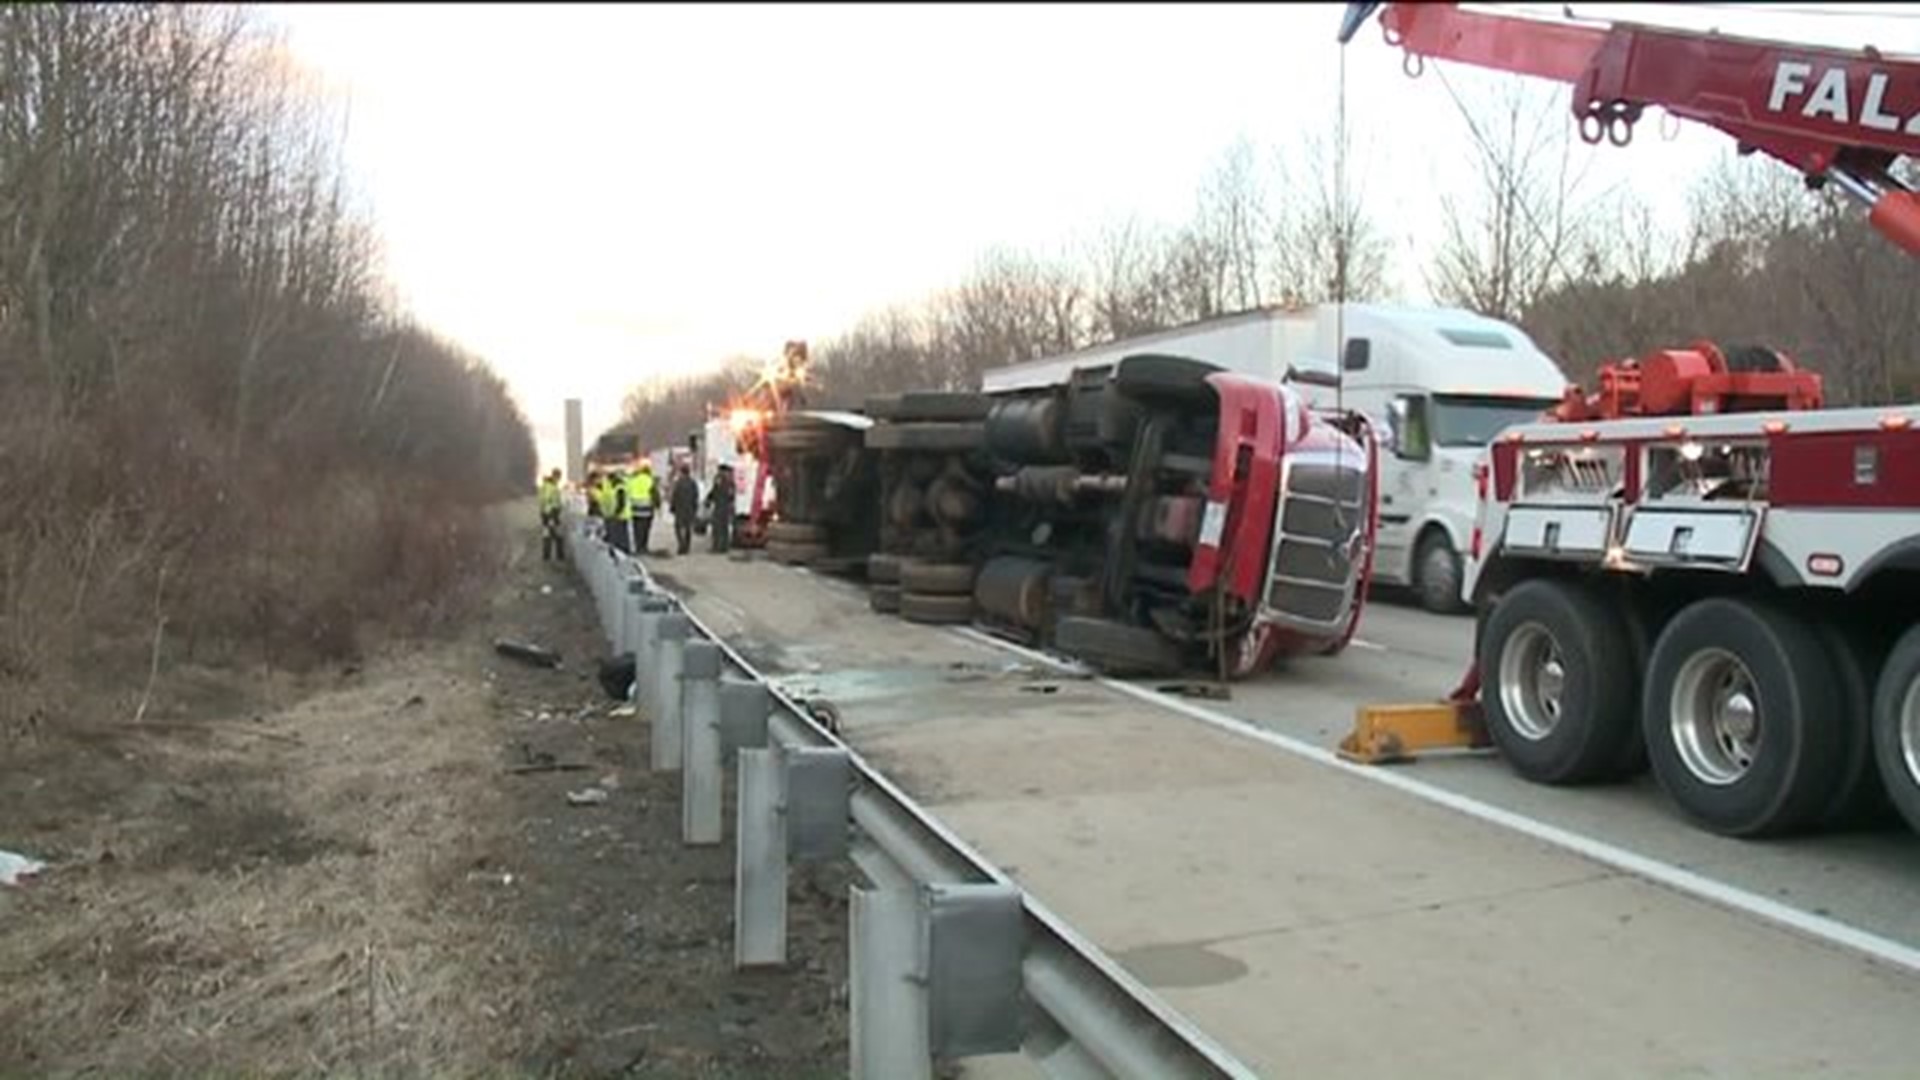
x=619 y=509
x=603 y=496
x=640 y=492
x=549 y=495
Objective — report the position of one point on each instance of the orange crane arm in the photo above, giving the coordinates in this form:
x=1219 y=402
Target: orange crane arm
x=1838 y=116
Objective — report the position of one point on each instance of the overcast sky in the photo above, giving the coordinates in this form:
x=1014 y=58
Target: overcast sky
x=589 y=195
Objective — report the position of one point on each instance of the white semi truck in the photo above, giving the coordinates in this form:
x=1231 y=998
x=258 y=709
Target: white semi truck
x=1440 y=382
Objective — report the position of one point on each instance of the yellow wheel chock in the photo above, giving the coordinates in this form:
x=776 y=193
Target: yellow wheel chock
x=1388 y=733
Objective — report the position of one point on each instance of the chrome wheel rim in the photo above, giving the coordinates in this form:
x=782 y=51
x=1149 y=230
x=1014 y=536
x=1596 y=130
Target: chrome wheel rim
x=1533 y=681
x=1715 y=717
x=1909 y=732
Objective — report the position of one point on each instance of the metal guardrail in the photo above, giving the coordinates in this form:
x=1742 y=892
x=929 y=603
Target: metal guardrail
x=949 y=957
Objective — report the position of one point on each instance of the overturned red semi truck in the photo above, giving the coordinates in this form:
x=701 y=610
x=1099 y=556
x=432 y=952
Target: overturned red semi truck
x=1152 y=516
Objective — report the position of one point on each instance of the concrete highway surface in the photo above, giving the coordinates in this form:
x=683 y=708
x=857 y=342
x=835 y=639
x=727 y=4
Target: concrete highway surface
x=1868 y=879
x=1436 y=919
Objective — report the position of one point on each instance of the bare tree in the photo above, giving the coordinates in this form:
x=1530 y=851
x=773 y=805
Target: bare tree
x=1324 y=244
x=1505 y=244
x=1230 y=221
x=191 y=328
x=1124 y=266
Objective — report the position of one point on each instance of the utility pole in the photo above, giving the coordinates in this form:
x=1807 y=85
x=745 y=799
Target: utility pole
x=576 y=465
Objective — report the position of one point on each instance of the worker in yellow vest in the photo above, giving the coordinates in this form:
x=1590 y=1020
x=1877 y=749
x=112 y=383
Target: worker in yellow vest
x=601 y=495
x=643 y=497
x=550 y=548
x=620 y=517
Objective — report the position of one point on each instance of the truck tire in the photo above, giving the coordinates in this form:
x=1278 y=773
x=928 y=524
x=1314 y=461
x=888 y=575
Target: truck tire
x=1860 y=798
x=884 y=599
x=1896 y=726
x=942 y=406
x=1116 y=648
x=796 y=532
x=937 y=579
x=1551 y=660
x=932 y=437
x=923 y=608
x=1738 y=696
x=1436 y=574
x=1152 y=377
x=795 y=554
x=883 y=569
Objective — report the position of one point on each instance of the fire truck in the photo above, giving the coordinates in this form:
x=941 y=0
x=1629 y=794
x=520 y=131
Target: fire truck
x=1152 y=515
x=1696 y=566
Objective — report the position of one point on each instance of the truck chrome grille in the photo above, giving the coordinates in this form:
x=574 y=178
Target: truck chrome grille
x=1323 y=517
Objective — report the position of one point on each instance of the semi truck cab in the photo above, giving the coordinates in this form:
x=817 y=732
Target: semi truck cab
x=1441 y=383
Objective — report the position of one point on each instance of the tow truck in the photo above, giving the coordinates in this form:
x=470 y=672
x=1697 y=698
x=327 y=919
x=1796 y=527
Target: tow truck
x=780 y=389
x=1697 y=566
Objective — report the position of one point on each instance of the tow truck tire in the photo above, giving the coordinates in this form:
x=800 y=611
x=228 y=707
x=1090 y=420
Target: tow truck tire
x=1552 y=659
x=1896 y=726
x=883 y=569
x=931 y=437
x=884 y=599
x=938 y=579
x=942 y=406
x=1860 y=798
x=939 y=610
x=796 y=532
x=1436 y=574
x=1737 y=716
x=1116 y=648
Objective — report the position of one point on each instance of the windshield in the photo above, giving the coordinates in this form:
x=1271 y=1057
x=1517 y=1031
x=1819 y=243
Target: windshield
x=1474 y=421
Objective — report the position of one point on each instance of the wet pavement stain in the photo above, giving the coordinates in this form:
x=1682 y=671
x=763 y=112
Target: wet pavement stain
x=859 y=684
x=1180 y=965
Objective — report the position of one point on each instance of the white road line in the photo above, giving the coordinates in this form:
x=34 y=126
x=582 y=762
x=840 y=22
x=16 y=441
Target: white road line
x=1830 y=931
x=1362 y=643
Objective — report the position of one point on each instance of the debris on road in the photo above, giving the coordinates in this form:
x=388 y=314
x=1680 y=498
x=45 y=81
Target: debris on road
x=1208 y=691
x=18 y=869
x=527 y=654
x=592 y=796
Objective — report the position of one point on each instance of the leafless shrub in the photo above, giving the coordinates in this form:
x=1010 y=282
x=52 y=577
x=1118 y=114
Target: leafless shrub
x=195 y=358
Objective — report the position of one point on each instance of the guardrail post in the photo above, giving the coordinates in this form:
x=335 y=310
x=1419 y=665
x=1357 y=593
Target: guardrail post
x=760 y=862
x=664 y=712
x=632 y=596
x=936 y=973
x=701 y=805
x=887 y=1007
x=976 y=939
x=652 y=608
x=744 y=708
x=819 y=802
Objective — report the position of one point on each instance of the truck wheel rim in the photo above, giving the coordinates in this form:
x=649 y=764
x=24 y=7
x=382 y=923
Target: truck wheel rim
x=1715 y=717
x=1533 y=678
x=1438 y=577
x=1910 y=732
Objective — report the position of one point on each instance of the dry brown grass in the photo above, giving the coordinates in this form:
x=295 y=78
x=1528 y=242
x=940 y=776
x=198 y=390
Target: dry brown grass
x=305 y=893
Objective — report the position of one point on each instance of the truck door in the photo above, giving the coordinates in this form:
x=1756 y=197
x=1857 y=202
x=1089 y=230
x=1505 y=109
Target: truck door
x=1403 y=482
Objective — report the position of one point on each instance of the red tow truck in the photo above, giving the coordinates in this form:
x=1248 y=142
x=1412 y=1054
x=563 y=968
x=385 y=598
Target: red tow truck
x=1697 y=566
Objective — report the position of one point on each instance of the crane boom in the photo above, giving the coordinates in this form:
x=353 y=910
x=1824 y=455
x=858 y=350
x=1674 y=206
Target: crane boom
x=1838 y=116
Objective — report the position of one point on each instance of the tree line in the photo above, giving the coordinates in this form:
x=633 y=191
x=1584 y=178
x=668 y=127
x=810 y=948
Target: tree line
x=1589 y=274
x=214 y=425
